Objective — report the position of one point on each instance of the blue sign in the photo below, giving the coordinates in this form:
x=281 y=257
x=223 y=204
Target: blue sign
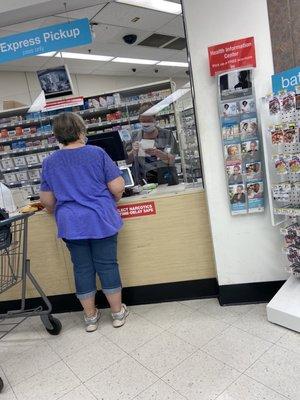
x=43 y=40
x=286 y=80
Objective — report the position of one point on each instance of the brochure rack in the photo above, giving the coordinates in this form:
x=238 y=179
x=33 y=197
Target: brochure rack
x=241 y=141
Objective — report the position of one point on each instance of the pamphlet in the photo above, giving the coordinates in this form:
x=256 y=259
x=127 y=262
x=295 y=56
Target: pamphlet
x=255 y=194
x=237 y=199
x=145 y=144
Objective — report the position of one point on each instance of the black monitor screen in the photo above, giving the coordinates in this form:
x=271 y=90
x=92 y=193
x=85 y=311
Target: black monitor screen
x=55 y=82
x=111 y=143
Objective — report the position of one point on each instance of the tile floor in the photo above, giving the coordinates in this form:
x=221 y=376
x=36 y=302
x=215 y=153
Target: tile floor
x=192 y=350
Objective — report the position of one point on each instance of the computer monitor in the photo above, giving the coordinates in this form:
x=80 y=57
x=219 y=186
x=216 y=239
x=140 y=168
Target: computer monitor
x=127 y=176
x=55 y=82
x=111 y=143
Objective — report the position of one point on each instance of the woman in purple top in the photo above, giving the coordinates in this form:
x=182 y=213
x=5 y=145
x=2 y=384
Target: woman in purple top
x=82 y=185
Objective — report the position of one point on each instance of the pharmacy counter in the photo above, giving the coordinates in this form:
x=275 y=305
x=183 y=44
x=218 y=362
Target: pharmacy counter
x=166 y=238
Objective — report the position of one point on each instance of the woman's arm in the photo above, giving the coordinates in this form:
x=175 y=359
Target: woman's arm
x=117 y=187
x=48 y=200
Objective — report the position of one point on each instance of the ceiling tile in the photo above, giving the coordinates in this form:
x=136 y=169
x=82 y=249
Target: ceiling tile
x=34 y=24
x=87 y=12
x=114 y=35
x=174 y=27
x=122 y=15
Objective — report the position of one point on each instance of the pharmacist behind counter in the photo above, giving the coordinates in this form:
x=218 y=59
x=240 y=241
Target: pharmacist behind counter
x=152 y=152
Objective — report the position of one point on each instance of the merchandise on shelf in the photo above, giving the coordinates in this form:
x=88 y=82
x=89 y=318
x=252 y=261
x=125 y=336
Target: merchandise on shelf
x=26 y=140
x=282 y=147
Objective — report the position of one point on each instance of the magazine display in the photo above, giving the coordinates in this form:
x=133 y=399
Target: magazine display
x=241 y=141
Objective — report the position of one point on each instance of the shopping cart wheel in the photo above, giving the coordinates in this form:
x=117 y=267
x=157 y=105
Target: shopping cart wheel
x=1 y=385
x=56 y=325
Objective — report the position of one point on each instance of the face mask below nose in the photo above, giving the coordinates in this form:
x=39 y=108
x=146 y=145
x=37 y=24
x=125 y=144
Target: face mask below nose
x=148 y=127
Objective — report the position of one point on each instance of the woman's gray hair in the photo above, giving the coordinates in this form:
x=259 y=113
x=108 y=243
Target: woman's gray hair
x=67 y=127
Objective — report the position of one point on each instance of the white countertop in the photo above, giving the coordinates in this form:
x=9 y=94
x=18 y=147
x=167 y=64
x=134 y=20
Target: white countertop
x=164 y=191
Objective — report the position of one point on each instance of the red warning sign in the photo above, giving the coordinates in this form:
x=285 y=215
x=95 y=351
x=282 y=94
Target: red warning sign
x=137 y=209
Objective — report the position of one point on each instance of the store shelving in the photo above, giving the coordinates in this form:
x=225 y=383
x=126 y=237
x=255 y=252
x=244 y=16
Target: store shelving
x=126 y=104
x=190 y=144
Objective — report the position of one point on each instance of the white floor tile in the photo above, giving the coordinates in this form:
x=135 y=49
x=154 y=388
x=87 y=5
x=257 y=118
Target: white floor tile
x=248 y=389
x=122 y=381
x=12 y=348
x=290 y=341
x=201 y=377
x=133 y=334
x=227 y=314
x=278 y=369
x=71 y=340
x=80 y=393
x=163 y=353
x=167 y=314
x=256 y=323
x=68 y=321
x=29 y=363
x=51 y=384
x=198 y=329
x=142 y=308
x=23 y=332
x=160 y=391
x=94 y=358
x=7 y=392
x=195 y=304
x=237 y=348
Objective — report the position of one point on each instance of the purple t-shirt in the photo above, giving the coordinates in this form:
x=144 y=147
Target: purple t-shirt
x=85 y=208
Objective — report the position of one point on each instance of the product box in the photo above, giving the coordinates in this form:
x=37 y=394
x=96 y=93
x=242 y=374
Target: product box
x=34 y=174
x=19 y=131
x=22 y=176
x=28 y=190
x=20 y=161
x=10 y=178
x=32 y=159
x=36 y=189
x=42 y=156
x=4 y=133
x=7 y=163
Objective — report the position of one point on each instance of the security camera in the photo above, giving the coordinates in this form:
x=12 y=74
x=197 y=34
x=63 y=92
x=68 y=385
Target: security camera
x=130 y=39
x=156 y=70
x=133 y=70
x=187 y=72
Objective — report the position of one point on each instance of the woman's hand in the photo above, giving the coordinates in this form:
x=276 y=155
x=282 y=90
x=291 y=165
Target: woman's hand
x=116 y=188
x=48 y=200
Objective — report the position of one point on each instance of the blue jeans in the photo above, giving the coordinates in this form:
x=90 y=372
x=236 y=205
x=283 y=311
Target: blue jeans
x=91 y=257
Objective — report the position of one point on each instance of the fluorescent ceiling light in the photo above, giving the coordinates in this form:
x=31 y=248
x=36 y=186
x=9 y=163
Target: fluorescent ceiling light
x=81 y=56
x=50 y=54
x=167 y=101
x=134 y=61
x=158 y=5
x=173 y=64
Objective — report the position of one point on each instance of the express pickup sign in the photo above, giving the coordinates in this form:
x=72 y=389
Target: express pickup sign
x=43 y=40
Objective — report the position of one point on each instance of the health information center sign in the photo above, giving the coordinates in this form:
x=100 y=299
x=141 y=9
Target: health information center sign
x=232 y=55
x=44 y=40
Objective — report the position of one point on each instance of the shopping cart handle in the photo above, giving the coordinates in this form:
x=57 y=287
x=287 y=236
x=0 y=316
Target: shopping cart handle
x=15 y=218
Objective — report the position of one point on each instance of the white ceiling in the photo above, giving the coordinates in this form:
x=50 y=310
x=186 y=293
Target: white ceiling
x=114 y=21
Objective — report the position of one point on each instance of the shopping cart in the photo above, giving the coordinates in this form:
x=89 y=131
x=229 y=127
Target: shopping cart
x=14 y=269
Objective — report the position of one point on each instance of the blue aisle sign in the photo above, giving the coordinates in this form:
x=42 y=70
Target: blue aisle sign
x=286 y=80
x=42 y=40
